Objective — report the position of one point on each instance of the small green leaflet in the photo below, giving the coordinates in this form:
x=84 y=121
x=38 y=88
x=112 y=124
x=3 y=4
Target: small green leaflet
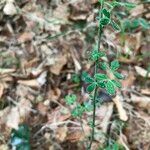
x=95 y=55
x=144 y=23
x=70 y=99
x=115 y=26
x=101 y=84
x=78 y=111
x=106 y=13
x=91 y=87
x=104 y=66
x=116 y=83
x=114 y=65
x=110 y=88
x=100 y=76
x=104 y=21
x=86 y=77
x=20 y=139
x=124 y=4
x=118 y=75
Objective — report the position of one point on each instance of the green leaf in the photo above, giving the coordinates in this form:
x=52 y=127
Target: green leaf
x=110 y=88
x=78 y=111
x=86 y=77
x=117 y=83
x=118 y=75
x=91 y=87
x=95 y=55
x=20 y=139
x=70 y=99
x=114 y=65
x=104 y=66
x=22 y=132
x=115 y=26
x=100 y=76
x=104 y=21
x=106 y=12
x=101 y=1
x=124 y=4
x=144 y=23
x=101 y=84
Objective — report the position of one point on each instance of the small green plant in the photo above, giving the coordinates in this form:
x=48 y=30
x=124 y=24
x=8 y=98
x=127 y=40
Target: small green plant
x=109 y=80
x=20 y=139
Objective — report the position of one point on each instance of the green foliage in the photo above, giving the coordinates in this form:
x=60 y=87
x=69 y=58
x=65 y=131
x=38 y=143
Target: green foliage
x=110 y=87
x=100 y=76
x=20 y=139
x=75 y=78
x=118 y=75
x=86 y=77
x=114 y=65
x=70 y=99
x=115 y=26
x=91 y=87
x=78 y=111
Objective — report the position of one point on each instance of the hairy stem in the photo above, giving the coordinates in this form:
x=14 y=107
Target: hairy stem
x=95 y=91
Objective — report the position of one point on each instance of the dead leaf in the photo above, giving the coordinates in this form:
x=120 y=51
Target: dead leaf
x=35 y=82
x=142 y=72
x=10 y=9
x=60 y=62
x=61 y=133
x=13 y=118
x=24 y=37
x=1 y=90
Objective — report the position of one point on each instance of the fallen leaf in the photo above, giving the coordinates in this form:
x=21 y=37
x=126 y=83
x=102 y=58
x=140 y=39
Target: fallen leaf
x=60 y=62
x=10 y=9
x=24 y=37
x=142 y=72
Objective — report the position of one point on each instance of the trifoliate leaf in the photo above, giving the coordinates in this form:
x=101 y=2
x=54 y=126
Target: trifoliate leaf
x=104 y=21
x=115 y=26
x=110 y=88
x=117 y=83
x=70 y=99
x=118 y=75
x=91 y=87
x=100 y=76
x=106 y=13
x=114 y=65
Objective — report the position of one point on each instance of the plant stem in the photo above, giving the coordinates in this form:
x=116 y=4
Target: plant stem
x=96 y=88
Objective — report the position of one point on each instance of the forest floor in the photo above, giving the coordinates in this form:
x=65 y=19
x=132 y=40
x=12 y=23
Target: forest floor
x=44 y=47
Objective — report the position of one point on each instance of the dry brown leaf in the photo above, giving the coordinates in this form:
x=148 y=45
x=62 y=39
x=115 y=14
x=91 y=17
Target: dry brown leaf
x=61 y=133
x=9 y=8
x=6 y=70
x=1 y=89
x=24 y=37
x=35 y=82
x=141 y=101
x=60 y=62
x=54 y=94
x=42 y=108
x=128 y=82
x=13 y=118
x=141 y=71
x=138 y=10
